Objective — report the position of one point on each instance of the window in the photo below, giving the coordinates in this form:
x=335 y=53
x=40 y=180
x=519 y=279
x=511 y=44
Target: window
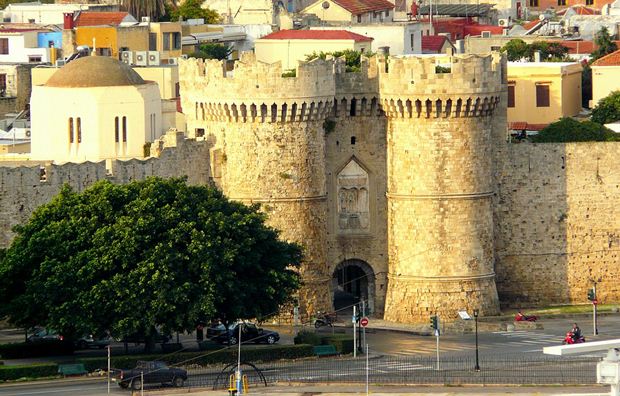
x=542 y=95
x=34 y=58
x=561 y=2
x=589 y=2
x=511 y=95
x=353 y=139
x=152 y=42
x=359 y=18
x=2 y=84
x=70 y=129
x=177 y=40
x=166 y=46
x=124 y=129
x=116 y=129
x=387 y=13
x=375 y=14
x=412 y=40
x=32 y=21
x=534 y=3
x=200 y=132
x=79 y=129
x=104 y=51
x=495 y=48
x=4 y=46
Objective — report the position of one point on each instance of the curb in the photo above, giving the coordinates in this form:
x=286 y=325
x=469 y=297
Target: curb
x=15 y=384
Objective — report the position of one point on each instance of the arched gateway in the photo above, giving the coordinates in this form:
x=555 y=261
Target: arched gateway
x=353 y=281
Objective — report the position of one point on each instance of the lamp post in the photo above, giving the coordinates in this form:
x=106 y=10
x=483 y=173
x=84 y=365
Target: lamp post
x=477 y=368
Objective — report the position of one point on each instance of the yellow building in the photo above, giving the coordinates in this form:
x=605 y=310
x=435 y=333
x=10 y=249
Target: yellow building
x=605 y=77
x=540 y=93
x=292 y=46
x=108 y=111
x=164 y=37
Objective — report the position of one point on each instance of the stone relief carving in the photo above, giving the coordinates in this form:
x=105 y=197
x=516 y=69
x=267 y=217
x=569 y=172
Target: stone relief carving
x=353 y=210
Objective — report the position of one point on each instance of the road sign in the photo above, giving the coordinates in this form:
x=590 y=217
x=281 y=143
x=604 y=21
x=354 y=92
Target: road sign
x=595 y=301
x=364 y=322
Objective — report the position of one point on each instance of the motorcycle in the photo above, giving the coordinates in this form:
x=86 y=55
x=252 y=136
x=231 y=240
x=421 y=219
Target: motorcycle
x=324 y=320
x=569 y=339
x=519 y=317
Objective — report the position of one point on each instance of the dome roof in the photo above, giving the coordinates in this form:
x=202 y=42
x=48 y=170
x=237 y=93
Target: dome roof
x=94 y=71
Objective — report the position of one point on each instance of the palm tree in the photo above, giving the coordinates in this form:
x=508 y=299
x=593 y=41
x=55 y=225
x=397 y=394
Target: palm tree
x=154 y=9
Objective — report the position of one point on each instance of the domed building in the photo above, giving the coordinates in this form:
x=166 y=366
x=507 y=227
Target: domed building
x=94 y=108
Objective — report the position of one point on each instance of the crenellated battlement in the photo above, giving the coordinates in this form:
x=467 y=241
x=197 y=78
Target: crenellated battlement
x=257 y=92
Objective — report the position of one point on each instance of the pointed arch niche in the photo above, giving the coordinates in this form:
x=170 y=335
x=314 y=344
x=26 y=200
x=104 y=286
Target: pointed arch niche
x=353 y=202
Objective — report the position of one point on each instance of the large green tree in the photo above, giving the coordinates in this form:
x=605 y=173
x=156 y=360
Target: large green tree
x=213 y=51
x=192 y=9
x=155 y=253
x=603 y=43
x=570 y=130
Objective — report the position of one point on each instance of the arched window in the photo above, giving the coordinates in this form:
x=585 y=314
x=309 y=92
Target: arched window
x=70 y=129
x=116 y=129
x=124 y=129
x=79 y=130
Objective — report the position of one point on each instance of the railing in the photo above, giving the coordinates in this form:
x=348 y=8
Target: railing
x=405 y=370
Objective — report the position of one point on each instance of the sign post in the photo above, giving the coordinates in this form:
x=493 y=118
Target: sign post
x=364 y=323
x=437 y=337
x=594 y=306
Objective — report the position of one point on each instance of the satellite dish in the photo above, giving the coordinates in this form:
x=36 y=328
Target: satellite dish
x=325 y=4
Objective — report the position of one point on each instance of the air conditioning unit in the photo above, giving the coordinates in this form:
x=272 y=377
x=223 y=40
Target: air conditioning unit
x=141 y=58
x=60 y=62
x=153 y=58
x=127 y=57
x=504 y=22
x=145 y=19
x=184 y=56
x=173 y=61
x=486 y=34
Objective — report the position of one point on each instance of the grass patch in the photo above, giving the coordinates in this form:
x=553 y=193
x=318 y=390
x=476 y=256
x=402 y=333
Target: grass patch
x=571 y=309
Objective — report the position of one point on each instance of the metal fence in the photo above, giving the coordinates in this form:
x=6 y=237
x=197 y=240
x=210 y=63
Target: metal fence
x=405 y=370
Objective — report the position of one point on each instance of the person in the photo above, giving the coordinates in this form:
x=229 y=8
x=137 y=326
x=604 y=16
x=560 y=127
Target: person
x=576 y=332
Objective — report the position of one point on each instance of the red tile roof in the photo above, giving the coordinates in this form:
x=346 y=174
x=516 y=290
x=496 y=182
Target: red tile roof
x=476 y=30
x=578 y=47
x=580 y=9
x=612 y=59
x=433 y=43
x=86 y=18
x=362 y=6
x=530 y=24
x=522 y=125
x=316 y=35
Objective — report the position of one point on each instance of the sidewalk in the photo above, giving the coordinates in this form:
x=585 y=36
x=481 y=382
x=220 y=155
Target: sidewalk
x=359 y=389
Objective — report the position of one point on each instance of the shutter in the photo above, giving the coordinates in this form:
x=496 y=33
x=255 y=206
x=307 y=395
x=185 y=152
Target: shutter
x=511 y=96
x=542 y=95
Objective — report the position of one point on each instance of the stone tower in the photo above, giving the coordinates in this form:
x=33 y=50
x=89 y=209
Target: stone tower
x=440 y=184
x=268 y=147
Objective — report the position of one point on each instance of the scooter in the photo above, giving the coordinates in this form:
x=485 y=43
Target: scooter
x=519 y=317
x=324 y=320
x=570 y=340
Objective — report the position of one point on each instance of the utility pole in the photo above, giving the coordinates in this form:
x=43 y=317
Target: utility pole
x=477 y=368
x=354 y=320
x=363 y=315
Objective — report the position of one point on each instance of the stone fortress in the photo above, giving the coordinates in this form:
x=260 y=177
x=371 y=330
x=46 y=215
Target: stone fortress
x=399 y=181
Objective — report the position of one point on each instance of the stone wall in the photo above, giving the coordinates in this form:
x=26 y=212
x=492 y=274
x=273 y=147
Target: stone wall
x=25 y=188
x=558 y=223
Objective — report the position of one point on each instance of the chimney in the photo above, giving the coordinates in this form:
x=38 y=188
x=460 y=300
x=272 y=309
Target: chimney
x=68 y=21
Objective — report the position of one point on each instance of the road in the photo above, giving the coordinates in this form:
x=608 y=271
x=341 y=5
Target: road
x=78 y=388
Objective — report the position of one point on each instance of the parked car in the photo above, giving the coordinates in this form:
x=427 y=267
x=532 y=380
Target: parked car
x=41 y=334
x=88 y=341
x=249 y=333
x=154 y=372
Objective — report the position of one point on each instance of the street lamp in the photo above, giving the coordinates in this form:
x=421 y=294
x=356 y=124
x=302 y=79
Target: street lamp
x=477 y=368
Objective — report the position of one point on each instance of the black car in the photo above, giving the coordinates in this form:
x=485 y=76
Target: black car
x=152 y=372
x=249 y=333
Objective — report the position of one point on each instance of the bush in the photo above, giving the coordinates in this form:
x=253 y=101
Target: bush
x=9 y=373
x=36 y=349
x=570 y=130
x=225 y=355
x=607 y=109
x=342 y=342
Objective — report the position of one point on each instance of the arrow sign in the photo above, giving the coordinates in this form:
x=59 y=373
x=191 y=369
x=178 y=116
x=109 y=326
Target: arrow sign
x=364 y=322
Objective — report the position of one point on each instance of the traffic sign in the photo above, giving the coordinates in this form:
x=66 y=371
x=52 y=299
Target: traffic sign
x=364 y=322
x=595 y=301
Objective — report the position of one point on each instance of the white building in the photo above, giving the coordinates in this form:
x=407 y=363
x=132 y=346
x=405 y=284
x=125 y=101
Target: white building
x=401 y=38
x=107 y=111
x=21 y=46
x=47 y=14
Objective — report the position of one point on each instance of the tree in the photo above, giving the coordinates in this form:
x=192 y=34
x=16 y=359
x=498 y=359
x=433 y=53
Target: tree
x=516 y=49
x=353 y=59
x=131 y=258
x=212 y=51
x=608 y=109
x=570 y=130
x=192 y=9
x=154 y=9
x=603 y=43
